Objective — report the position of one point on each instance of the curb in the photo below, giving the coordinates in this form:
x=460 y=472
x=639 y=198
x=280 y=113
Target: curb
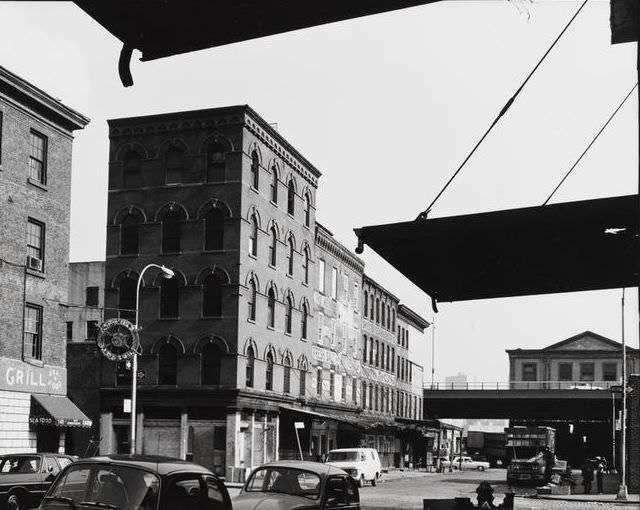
x=581 y=500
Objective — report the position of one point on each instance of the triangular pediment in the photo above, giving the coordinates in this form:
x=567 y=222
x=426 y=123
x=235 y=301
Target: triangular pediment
x=587 y=341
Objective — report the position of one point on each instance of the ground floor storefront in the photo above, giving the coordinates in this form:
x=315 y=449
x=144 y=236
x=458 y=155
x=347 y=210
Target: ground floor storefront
x=35 y=414
x=232 y=432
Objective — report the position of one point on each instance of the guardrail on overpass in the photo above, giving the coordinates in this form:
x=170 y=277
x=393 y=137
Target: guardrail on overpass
x=523 y=385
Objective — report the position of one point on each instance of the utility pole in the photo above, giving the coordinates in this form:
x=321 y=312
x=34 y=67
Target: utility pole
x=433 y=351
x=622 y=489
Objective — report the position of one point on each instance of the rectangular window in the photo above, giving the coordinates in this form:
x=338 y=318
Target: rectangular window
x=92 y=296
x=319 y=383
x=321 y=286
x=332 y=385
x=565 y=371
x=35 y=245
x=587 y=371
x=69 y=331
x=38 y=157
x=33 y=331
x=354 y=391
x=356 y=297
x=610 y=371
x=320 y=327
x=92 y=330
x=529 y=371
x=363 y=395
x=334 y=282
x=345 y=289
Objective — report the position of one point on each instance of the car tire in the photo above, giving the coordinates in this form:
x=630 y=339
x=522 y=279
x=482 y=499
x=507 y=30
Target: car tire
x=361 y=481
x=374 y=481
x=480 y=468
x=15 y=502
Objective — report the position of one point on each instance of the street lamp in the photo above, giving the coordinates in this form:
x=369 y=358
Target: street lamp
x=166 y=273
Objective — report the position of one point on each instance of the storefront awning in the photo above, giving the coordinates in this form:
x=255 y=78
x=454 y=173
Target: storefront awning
x=340 y=417
x=567 y=247
x=57 y=411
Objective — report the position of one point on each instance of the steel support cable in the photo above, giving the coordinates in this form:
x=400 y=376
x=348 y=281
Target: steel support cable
x=423 y=215
x=590 y=144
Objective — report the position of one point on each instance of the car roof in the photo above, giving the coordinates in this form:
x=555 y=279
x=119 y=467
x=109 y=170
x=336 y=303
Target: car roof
x=157 y=463
x=315 y=467
x=34 y=454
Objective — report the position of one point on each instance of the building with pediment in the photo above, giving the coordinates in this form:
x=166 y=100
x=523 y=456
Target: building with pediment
x=581 y=361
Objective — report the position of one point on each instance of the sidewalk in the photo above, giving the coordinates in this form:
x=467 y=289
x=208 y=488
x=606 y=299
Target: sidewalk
x=632 y=499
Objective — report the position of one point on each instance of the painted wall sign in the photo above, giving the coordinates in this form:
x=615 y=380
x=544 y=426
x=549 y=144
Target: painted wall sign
x=16 y=375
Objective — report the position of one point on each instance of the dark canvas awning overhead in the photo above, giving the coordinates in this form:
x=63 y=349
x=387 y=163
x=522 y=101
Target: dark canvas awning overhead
x=56 y=410
x=159 y=28
x=325 y=415
x=534 y=250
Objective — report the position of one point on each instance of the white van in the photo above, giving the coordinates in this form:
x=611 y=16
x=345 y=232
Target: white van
x=363 y=464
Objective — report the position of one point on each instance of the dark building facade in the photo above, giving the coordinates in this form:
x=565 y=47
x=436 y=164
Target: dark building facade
x=261 y=325
x=36 y=135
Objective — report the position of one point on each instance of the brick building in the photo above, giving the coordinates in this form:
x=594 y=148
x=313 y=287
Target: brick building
x=36 y=134
x=260 y=327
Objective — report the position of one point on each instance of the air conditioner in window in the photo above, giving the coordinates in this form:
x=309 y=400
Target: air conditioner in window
x=34 y=263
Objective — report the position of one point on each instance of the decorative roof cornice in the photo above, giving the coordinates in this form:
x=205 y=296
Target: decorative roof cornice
x=40 y=102
x=409 y=315
x=324 y=240
x=368 y=280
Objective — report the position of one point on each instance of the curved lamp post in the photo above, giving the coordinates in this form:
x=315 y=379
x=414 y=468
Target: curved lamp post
x=166 y=273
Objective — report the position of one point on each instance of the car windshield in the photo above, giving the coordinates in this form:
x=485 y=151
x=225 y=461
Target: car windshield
x=105 y=485
x=342 y=456
x=15 y=464
x=285 y=480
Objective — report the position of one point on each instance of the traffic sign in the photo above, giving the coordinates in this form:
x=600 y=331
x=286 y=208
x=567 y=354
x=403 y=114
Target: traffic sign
x=618 y=388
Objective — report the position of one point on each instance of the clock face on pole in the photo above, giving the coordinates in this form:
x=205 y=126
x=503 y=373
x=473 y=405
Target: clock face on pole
x=118 y=339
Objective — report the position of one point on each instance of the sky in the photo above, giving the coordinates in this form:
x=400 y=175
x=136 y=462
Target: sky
x=386 y=107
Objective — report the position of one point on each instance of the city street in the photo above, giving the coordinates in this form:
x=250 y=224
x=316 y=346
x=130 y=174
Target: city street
x=406 y=490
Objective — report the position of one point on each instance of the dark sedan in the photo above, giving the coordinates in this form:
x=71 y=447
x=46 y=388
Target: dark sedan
x=25 y=477
x=122 y=482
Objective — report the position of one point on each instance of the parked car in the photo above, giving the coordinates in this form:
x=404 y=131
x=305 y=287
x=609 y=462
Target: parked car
x=25 y=477
x=123 y=482
x=363 y=464
x=465 y=463
x=296 y=485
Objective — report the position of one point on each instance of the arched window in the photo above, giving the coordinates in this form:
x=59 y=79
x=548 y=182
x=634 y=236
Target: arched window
x=271 y=308
x=273 y=247
x=305 y=265
x=364 y=348
x=253 y=236
x=167 y=364
x=371 y=351
x=251 y=360
x=287 y=315
x=377 y=353
x=252 y=300
x=290 y=257
x=303 y=380
x=274 y=184
x=366 y=304
x=384 y=315
x=131 y=173
x=210 y=364
x=291 y=197
x=388 y=317
x=269 y=372
x=393 y=321
x=255 y=170
x=286 y=386
x=307 y=210
x=214 y=230
x=304 y=321
x=174 y=162
x=129 y=228
x=171 y=232
x=382 y=355
x=216 y=165
x=212 y=296
x=377 y=311
x=371 y=309
x=169 y=298
x=388 y=356
x=127 y=299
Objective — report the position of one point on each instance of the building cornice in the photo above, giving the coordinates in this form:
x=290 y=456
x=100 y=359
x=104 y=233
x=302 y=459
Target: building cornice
x=371 y=281
x=410 y=316
x=41 y=102
x=325 y=241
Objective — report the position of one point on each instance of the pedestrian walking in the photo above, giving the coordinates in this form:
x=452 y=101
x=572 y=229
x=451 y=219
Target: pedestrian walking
x=600 y=467
x=587 y=475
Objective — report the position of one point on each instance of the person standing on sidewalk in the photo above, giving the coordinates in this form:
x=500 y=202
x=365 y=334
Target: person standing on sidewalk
x=587 y=476
x=599 y=474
